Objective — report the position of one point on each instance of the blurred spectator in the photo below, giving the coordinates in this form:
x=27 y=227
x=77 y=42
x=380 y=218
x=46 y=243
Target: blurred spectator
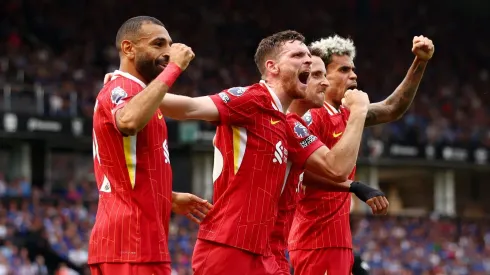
x=69 y=65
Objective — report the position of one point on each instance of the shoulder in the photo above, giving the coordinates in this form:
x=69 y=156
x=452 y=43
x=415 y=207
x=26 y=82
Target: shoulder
x=118 y=90
x=247 y=93
x=297 y=126
x=122 y=85
x=307 y=118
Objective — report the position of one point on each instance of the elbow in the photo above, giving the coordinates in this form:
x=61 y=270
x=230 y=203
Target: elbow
x=129 y=129
x=339 y=176
x=336 y=173
x=127 y=126
x=397 y=116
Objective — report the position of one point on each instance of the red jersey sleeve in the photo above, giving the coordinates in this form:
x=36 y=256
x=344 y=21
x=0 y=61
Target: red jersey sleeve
x=314 y=122
x=301 y=143
x=236 y=105
x=121 y=91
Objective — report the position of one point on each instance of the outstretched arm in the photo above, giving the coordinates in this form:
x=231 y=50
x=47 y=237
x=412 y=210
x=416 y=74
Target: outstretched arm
x=183 y=108
x=393 y=107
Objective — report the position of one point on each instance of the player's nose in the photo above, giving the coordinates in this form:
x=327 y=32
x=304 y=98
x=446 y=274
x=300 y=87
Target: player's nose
x=353 y=75
x=325 y=83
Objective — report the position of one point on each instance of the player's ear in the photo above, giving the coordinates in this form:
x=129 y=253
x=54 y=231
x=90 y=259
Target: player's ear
x=127 y=49
x=271 y=66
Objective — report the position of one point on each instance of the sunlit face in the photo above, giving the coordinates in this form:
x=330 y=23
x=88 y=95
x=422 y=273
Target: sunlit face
x=292 y=66
x=341 y=75
x=317 y=83
x=150 y=52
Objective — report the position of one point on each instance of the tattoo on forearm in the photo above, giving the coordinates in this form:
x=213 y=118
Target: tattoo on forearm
x=400 y=100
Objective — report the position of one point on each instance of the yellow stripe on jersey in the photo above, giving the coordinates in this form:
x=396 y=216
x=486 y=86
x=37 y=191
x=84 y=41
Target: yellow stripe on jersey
x=239 y=146
x=130 y=156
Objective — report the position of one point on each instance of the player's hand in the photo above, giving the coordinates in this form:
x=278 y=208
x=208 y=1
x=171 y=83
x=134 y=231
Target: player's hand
x=181 y=55
x=355 y=100
x=379 y=205
x=190 y=205
x=423 y=48
x=107 y=78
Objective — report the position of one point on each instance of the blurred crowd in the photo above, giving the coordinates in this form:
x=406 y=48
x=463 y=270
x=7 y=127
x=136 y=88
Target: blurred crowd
x=424 y=246
x=50 y=47
x=40 y=231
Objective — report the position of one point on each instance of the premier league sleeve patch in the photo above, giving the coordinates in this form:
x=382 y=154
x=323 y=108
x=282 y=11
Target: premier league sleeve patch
x=300 y=130
x=237 y=91
x=118 y=95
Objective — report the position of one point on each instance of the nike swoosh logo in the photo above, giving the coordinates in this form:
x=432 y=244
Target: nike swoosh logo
x=160 y=116
x=274 y=122
x=336 y=135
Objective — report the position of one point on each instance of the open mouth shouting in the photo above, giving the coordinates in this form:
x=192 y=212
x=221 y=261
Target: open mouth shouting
x=303 y=77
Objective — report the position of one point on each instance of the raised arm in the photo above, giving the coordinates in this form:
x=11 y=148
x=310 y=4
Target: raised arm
x=134 y=116
x=393 y=107
x=183 y=107
x=337 y=164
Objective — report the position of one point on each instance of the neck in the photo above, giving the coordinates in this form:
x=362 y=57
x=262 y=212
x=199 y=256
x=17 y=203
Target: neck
x=299 y=107
x=281 y=93
x=129 y=68
x=332 y=103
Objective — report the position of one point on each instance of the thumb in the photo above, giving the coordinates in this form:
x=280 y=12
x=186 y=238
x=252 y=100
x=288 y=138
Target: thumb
x=343 y=101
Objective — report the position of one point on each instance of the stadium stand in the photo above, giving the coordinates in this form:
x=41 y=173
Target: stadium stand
x=52 y=62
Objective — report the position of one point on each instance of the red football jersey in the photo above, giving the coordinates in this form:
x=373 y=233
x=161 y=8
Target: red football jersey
x=301 y=144
x=249 y=165
x=134 y=179
x=321 y=219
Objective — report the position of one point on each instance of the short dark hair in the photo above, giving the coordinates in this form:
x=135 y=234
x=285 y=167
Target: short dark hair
x=317 y=52
x=130 y=29
x=270 y=45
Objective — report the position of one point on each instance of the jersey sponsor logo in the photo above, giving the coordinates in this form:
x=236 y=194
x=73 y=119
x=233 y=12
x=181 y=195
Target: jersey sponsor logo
x=274 y=122
x=307 y=141
x=307 y=118
x=280 y=154
x=336 y=135
x=118 y=95
x=237 y=91
x=300 y=130
x=224 y=97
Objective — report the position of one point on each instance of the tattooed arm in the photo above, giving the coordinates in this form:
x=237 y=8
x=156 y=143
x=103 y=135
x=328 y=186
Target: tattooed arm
x=393 y=107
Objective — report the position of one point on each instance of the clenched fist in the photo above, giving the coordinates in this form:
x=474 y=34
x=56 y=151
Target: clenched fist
x=181 y=55
x=423 y=48
x=355 y=100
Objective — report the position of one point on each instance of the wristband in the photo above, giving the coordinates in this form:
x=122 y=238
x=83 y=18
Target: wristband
x=363 y=191
x=169 y=74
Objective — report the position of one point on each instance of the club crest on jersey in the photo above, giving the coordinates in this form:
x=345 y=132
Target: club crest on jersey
x=300 y=130
x=307 y=118
x=237 y=91
x=118 y=95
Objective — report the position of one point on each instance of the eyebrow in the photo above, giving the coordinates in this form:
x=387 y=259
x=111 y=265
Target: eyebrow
x=160 y=39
